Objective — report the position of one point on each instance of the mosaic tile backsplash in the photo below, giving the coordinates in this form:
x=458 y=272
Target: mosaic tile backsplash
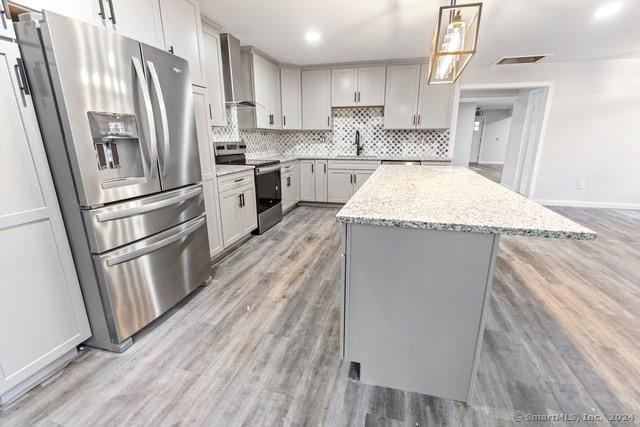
x=430 y=144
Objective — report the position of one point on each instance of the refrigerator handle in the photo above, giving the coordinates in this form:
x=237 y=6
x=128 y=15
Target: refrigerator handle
x=151 y=145
x=128 y=256
x=157 y=90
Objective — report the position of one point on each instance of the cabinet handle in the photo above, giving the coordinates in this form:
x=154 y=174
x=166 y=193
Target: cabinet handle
x=210 y=112
x=5 y=9
x=414 y=119
x=240 y=200
x=325 y=168
x=101 y=14
x=358 y=96
x=284 y=121
x=113 y=14
x=171 y=50
x=350 y=178
x=328 y=119
x=288 y=181
x=355 y=178
x=311 y=167
x=238 y=180
x=22 y=79
x=419 y=119
x=355 y=96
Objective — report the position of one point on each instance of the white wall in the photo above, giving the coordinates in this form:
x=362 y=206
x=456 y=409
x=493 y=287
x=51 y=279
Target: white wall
x=592 y=132
x=512 y=154
x=464 y=134
x=495 y=135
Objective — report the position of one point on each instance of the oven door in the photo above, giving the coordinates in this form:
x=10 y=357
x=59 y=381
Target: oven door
x=268 y=191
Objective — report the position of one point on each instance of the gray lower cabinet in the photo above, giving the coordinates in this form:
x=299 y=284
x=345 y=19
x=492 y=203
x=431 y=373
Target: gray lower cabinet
x=313 y=180
x=345 y=177
x=290 y=184
x=41 y=306
x=237 y=207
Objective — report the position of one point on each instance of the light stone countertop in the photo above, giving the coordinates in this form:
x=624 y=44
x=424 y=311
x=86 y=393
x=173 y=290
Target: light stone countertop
x=222 y=170
x=452 y=199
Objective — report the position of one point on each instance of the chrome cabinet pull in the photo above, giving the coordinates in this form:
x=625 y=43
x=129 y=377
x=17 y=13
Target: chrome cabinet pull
x=311 y=167
x=284 y=121
x=325 y=168
x=238 y=180
x=113 y=14
x=419 y=119
x=355 y=96
x=101 y=14
x=328 y=118
x=358 y=96
x=23 y=85
x=210 y=112
x=119 y=259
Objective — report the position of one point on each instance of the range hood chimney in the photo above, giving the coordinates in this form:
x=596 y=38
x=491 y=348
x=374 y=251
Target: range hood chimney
x=237 y=88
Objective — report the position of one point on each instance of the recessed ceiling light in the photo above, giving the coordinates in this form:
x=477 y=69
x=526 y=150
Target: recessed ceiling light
x=312 y=36
x=608 y=9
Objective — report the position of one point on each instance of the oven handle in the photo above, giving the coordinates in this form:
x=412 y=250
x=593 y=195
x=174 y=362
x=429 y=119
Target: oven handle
x=262 y=171
x=119 y=259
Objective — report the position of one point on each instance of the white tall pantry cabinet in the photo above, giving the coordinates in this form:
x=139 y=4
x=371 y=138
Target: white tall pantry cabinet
x=42 y=312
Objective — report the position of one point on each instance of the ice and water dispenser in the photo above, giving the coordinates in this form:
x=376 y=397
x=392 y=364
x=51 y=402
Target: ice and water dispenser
x=117 y=146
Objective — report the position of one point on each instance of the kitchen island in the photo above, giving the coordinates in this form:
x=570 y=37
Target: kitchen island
x=419 y=250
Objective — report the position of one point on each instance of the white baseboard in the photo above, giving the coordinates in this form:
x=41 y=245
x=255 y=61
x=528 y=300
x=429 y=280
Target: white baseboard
x=583 y=204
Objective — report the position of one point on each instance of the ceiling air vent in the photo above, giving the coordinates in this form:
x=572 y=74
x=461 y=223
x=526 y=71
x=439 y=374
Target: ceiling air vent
x=530 y=59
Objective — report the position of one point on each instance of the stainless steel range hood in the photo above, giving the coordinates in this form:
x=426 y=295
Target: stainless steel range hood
x=237 y=85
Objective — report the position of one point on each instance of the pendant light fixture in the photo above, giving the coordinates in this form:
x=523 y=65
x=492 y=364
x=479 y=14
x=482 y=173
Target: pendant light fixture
x=454 y=42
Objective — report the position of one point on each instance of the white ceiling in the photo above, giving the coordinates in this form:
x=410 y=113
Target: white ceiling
x=362 y=30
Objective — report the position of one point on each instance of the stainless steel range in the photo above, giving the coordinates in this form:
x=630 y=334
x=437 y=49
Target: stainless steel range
x=118 y=125
x=267 y=177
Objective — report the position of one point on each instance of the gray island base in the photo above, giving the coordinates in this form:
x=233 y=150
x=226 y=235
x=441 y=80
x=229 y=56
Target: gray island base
x=419 y=250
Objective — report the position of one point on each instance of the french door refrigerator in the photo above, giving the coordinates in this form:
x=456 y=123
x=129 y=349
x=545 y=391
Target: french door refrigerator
x=118 y=124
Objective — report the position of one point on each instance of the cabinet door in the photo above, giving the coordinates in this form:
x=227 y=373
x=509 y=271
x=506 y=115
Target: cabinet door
x=213 y=76
x=371 y=83
x=344 y=87
x=401 y=99
x=205 y=146
x=85 y=10
x=214 y=228
x=295 y=178
x=434 y=107
x=262 y=84
x=360 y=177
x=248 y=211
x=138 y=19
x=291 y=99
x=275 y=101
x=339 y=185
x=285 y=185
x=231 y=217
x=41 y=306
x=321 y=180
x=316 y=99
x=307 y=181
x=6 y=24
x=181 y=25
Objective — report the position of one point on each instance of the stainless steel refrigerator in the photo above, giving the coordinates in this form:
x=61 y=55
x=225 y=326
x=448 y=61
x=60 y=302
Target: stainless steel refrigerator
x=118 y=125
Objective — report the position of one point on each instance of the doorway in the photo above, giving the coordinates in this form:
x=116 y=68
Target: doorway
x=498 y=132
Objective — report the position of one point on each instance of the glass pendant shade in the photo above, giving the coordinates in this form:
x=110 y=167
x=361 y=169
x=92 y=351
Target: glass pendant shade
x=454 y=42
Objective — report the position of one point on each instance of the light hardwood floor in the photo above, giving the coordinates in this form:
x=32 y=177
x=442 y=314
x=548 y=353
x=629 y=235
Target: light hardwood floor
x=259 y=346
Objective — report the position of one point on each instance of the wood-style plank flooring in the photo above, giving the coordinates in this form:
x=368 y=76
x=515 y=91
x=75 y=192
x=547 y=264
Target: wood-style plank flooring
x=490 y=171
x=259 y=346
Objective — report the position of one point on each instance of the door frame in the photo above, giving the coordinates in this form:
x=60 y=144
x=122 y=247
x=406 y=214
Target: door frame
x=550 y=86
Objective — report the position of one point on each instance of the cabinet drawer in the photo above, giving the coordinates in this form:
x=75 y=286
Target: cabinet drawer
x=236 y=180
x=354 y=164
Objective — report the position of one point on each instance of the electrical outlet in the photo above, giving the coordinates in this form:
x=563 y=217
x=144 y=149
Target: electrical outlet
x=582 y=185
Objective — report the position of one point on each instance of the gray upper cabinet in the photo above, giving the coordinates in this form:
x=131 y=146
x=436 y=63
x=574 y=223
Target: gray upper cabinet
x=40 y=295
x=403 y=82
x=316 y=99
x=291 y=96
x=137 y=19
x=434 y=104
x=358 y=87
x=213 y=76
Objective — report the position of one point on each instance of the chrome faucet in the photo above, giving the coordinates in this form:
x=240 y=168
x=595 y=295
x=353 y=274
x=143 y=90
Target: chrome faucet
x=359 y=147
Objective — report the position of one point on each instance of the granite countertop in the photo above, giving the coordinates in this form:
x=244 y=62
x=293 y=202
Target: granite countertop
x=291 y=157
x=452 y=199
x=222 y=170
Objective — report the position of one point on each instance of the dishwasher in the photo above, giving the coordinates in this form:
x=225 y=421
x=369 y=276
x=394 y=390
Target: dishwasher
x=402 y=162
